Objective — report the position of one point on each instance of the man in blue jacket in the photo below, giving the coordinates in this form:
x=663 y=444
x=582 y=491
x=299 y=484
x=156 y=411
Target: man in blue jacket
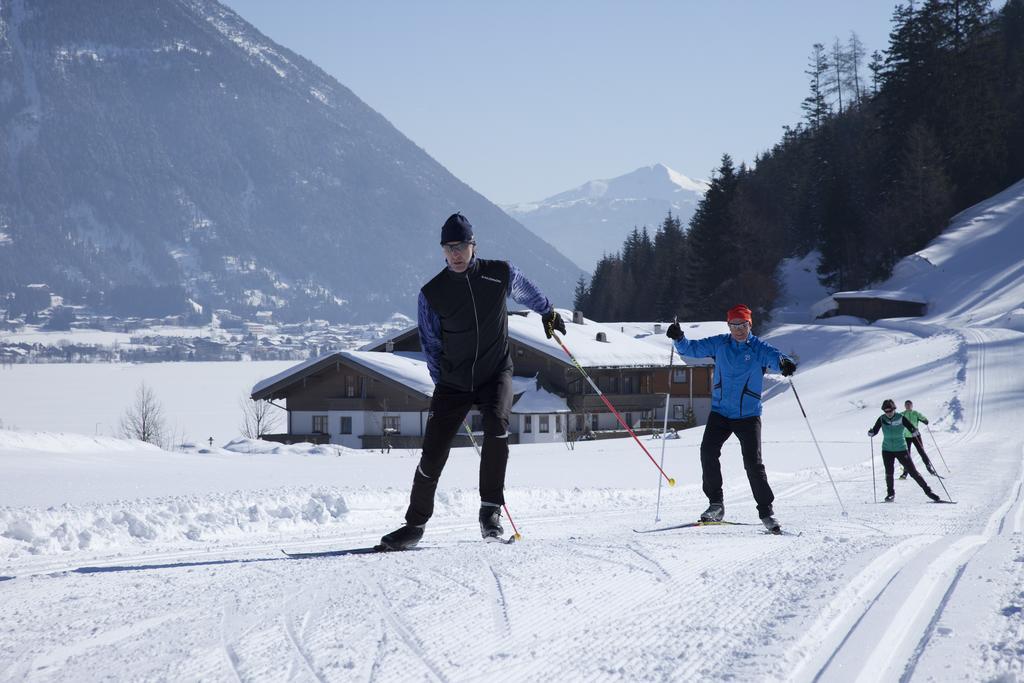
x=741 y=359
x=463 y=326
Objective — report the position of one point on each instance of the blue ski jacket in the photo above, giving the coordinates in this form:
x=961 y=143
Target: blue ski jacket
x=739 y=371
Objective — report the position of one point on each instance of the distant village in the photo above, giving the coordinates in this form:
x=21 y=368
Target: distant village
x=85 y=337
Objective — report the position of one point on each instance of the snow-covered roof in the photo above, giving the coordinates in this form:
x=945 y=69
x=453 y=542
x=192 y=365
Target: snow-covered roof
x=646 y=333
x=407 y=368
x=888 y=295
x=620 y=350
x=540 y=401
x=294 y=370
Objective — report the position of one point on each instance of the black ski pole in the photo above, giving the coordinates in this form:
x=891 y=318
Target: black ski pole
x=664 y=428
x=937 y=447
x=874 y=492
x=820 y=454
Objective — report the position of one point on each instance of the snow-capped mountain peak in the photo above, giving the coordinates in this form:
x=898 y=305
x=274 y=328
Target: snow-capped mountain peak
x=594 y=218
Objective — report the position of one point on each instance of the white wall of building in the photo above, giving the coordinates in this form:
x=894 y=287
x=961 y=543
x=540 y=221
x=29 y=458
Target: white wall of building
x=363 y=423
x=556 y=427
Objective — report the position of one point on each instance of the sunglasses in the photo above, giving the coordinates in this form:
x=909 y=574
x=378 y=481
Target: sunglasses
x=456 y=248
x=739 y=325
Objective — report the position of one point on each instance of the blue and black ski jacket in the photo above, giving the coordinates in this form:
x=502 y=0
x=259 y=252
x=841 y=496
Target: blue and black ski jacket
x=463 y=321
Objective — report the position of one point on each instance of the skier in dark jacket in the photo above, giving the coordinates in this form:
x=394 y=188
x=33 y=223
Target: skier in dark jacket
x=894 y=448
x=463 y=327
x=918 y=442
x=741 y=360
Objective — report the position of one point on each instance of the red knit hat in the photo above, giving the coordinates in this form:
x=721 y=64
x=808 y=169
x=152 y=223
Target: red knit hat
x=739 y=312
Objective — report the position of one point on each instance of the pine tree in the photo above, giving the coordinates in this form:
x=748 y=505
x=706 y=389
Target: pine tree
x=707 y=257
x=815 y=106
x=579 y=299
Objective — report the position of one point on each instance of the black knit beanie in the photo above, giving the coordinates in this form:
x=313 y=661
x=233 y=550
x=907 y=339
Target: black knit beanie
x=456 y=229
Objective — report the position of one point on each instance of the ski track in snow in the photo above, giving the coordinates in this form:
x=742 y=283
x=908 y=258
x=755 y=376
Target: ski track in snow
x=888 y=593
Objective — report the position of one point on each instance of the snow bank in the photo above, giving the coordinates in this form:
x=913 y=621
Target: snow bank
x=202 y=520
x=51 y=442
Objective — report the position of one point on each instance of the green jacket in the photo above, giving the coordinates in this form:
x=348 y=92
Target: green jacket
x=892 y=432
x=914 y=418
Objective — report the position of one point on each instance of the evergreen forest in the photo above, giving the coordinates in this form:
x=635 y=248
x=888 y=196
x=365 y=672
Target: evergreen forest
x=891 y=146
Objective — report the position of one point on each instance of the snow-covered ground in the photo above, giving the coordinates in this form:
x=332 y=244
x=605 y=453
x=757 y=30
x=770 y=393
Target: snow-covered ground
x=121 y=561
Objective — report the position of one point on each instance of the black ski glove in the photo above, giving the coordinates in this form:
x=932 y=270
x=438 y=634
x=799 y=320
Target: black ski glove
x=786 y=366
x=552 y=321
x=674 y=332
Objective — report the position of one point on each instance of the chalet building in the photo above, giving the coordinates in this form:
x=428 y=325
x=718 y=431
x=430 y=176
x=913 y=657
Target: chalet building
x=379 y=396
x=353 y=398
x=875 y=305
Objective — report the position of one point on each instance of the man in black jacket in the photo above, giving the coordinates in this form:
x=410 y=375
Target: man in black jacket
x=463 y=326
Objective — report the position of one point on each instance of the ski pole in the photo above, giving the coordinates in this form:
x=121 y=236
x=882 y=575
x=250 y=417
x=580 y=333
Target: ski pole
x=874 y=492
x=515 y=532
x=820 y=454
x=943 y=485
x=664 y=428
x=937 y=448
x=670 y=480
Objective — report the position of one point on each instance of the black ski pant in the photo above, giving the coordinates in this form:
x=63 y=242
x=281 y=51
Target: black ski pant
x=748 y=431
x=889 y=458
x=448 y=410
x=916 y=442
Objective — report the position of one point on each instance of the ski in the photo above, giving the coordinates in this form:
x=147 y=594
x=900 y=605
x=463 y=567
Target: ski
x=945 y=502
x=781 y=532
x=688 y=525
x=369 y=550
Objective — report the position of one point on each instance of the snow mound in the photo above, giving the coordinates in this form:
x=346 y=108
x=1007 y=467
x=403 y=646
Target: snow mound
x=258 y=446
x=180 y=518
x=51 y=442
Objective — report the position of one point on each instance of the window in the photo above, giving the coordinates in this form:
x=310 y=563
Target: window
x=346 y=425
x=680 y=376
x=527 y=424
x=627 y=384
x=646 y=384
x=350 y=386
x=628 y=417
x=558 y=424
x=678 y=412
x=593 y=422
x=319 y=424
x=392 y=424
x=581 y=422
x=544 y=426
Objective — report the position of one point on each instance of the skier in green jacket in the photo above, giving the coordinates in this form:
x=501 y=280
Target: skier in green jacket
x=915 y=417
x=894 y=448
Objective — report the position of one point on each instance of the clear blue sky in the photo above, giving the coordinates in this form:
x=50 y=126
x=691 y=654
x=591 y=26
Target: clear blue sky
x=522 y=100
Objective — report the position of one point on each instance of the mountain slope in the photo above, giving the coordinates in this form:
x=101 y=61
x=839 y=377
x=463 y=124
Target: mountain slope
x=170 y=143
x=591 y=220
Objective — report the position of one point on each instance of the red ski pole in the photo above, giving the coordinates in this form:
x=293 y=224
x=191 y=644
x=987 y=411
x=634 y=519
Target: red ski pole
x=670 y=480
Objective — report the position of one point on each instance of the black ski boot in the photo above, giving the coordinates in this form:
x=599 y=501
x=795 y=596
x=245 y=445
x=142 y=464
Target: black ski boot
x=934 y=496
x=771 y=524
x=890 y=498
x=714 y=513
x=490 y=522
x=403 y=538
